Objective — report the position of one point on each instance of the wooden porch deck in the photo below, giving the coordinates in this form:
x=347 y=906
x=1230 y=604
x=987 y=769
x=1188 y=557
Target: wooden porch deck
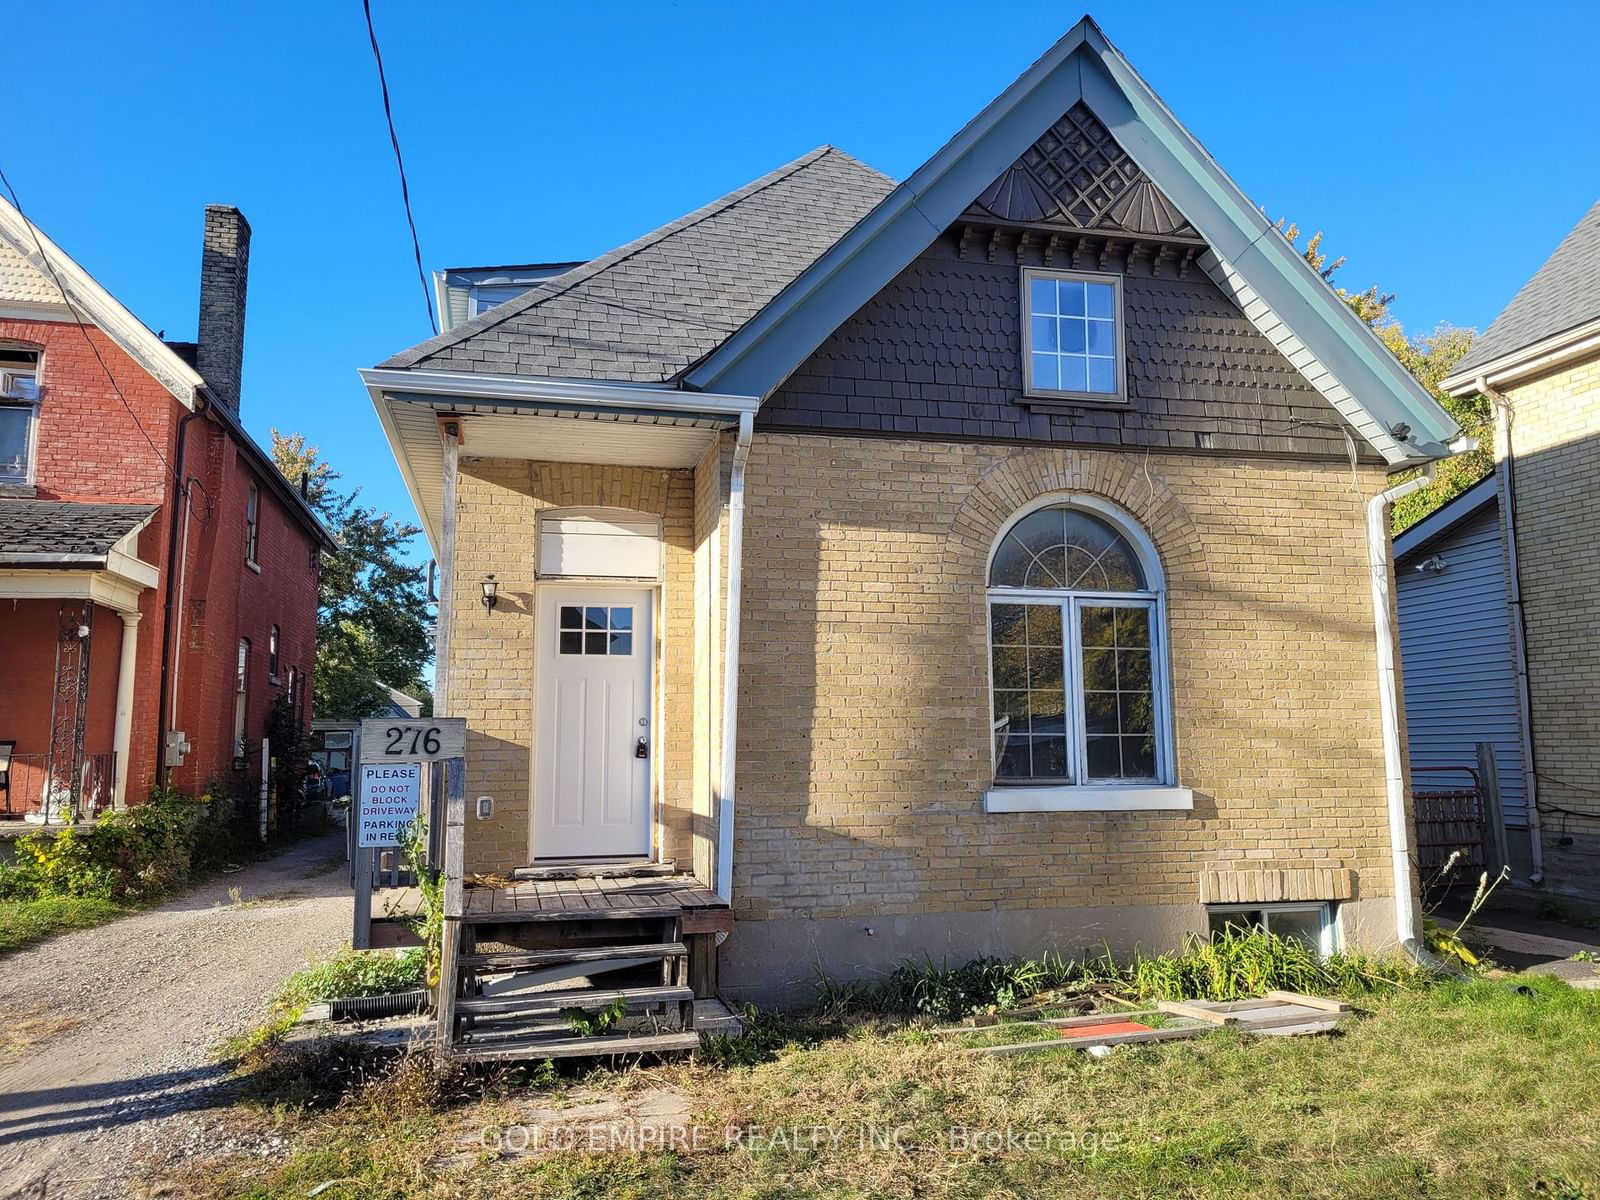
x=592 y=898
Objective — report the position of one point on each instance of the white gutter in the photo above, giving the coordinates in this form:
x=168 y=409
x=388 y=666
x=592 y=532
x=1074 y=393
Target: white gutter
x=1505 y=481
x=1542 y=356
x=730 y=657
x=1405 y=915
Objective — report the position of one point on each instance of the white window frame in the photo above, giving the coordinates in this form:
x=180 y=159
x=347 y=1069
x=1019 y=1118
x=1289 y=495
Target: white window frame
x=252 y=528
x=1119 y=329
x=1329 y=940
x=30 y=407
x=1088 y=795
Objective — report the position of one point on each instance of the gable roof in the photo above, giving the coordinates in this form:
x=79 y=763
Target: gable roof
x=43 y=262
x=1563 y=295
x=1247 y=256
x=649 y=309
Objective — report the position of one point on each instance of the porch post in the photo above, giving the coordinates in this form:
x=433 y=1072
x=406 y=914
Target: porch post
x=122 y=731
x=450 y=434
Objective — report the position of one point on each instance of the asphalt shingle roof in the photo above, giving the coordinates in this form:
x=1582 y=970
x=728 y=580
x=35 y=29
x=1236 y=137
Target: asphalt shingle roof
x=32 y=531
x=647 y=311
x=1562 y=294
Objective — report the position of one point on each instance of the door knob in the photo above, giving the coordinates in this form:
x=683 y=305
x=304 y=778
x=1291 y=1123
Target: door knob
x=641 y=749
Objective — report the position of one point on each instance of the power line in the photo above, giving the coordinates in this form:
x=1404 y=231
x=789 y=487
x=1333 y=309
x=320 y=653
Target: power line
x=399 y=162
x=83 y=323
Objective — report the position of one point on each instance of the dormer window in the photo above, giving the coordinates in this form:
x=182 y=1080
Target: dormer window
x=19 y=409
x=1072 y=338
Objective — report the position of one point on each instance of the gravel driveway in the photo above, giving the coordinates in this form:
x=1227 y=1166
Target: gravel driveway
x=118 y=1025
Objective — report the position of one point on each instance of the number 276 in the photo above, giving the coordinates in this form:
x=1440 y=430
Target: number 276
x=424 y=741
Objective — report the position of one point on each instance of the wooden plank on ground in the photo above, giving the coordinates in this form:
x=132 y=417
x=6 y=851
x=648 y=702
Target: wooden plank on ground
x=1197 y=1010
x=1322 y=1002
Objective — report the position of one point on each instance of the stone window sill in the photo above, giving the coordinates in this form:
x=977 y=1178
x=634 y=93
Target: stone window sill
x=1102 y=798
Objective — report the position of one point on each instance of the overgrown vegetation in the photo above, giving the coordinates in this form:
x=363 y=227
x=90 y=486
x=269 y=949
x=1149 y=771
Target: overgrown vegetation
x=1233 y=965
x=1456 y=1090
x=346 y=974
x=136 y=855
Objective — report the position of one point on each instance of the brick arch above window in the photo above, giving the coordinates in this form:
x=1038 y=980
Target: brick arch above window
x=1022 y=479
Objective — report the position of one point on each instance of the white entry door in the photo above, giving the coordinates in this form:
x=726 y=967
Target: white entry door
x=593 y=742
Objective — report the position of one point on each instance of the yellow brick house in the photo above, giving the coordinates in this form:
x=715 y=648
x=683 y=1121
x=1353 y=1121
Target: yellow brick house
x=982 y=563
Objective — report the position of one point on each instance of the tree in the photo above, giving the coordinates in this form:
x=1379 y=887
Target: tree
x=1429 y=357
x=373 y=623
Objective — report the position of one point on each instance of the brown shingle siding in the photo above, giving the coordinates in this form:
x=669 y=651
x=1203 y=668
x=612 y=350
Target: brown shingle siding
x=938 y=353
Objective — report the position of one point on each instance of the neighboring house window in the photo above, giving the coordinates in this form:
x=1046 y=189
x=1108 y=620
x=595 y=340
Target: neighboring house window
x=487 y=296
x=19 y=406
x=1078 y=668
x=252 y=525
x=241 y=689
x=1312 y=925
x=272 y=654
x=1072 y=338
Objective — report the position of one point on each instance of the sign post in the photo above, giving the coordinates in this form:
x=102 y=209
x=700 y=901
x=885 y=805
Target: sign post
x=388 y=796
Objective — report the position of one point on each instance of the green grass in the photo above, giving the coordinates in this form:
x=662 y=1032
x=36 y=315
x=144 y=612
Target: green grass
x=1453 y=1090
x=24 y=922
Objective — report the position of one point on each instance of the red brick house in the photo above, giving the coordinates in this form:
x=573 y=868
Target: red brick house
x=158 y=576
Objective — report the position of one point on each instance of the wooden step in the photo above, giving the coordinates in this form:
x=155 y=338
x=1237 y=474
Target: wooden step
x=622 y=870
x=579 y=1047
x=527 y=960
x=587 y=998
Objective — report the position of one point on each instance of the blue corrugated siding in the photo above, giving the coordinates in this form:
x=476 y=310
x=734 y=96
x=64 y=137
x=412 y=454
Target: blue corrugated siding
x=1455 y=650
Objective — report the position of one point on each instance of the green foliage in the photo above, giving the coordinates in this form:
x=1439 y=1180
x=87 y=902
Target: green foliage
x=23 y=922
x=1430 y=358
x=372 y=608
x=1238 y=965
x=1564 y=912
x=430 y=884
x=291 y=752
x=139 y=854
x=1232 y=965
x=586 y=1023
x=352 y=973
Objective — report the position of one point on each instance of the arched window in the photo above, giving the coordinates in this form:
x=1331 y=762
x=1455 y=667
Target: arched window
x=1077 y=666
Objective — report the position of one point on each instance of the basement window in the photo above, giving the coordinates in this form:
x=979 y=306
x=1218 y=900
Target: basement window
x=19 y=410
x=1312 y=925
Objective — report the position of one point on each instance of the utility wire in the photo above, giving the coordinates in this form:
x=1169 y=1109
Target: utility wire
x=83 y=328
x=399 y=162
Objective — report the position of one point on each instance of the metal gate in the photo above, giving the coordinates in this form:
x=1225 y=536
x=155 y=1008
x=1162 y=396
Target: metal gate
x=1448 y=805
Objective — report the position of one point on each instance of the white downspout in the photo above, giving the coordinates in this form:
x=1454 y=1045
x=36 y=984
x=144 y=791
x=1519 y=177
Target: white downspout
x=1405 y=916
x=730 y=657
x=1505 y=483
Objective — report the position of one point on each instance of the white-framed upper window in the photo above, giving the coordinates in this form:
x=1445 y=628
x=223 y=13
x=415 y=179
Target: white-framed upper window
x=1072 y=335
x=1313 y=925
x=19 y=413
x=484 y=296
x=1080 y=700
x=252 y=525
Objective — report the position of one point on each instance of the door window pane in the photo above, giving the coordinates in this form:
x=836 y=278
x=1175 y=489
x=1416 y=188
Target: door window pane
x=595 y=629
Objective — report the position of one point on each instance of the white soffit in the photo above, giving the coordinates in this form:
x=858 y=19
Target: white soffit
x=621 y=439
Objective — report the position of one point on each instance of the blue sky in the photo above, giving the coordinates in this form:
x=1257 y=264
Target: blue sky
x=1444 y=149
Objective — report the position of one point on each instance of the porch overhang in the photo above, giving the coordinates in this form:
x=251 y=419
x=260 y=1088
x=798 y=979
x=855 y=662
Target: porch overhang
x=112 y=576
x=550 y=420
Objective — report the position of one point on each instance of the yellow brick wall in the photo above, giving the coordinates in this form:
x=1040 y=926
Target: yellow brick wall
x=863 y=735
x=1555 y=435
x=492 y=653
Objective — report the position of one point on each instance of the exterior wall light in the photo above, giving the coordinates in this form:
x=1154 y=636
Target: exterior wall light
x=491 y=592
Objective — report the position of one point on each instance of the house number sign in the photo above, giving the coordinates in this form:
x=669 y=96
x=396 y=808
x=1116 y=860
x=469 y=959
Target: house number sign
x=390 y=741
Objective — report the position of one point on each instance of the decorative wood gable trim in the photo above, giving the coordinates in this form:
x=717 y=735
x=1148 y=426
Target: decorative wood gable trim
x=1077 y=176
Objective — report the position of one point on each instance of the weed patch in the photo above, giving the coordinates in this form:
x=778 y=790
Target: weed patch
x=24 y=922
